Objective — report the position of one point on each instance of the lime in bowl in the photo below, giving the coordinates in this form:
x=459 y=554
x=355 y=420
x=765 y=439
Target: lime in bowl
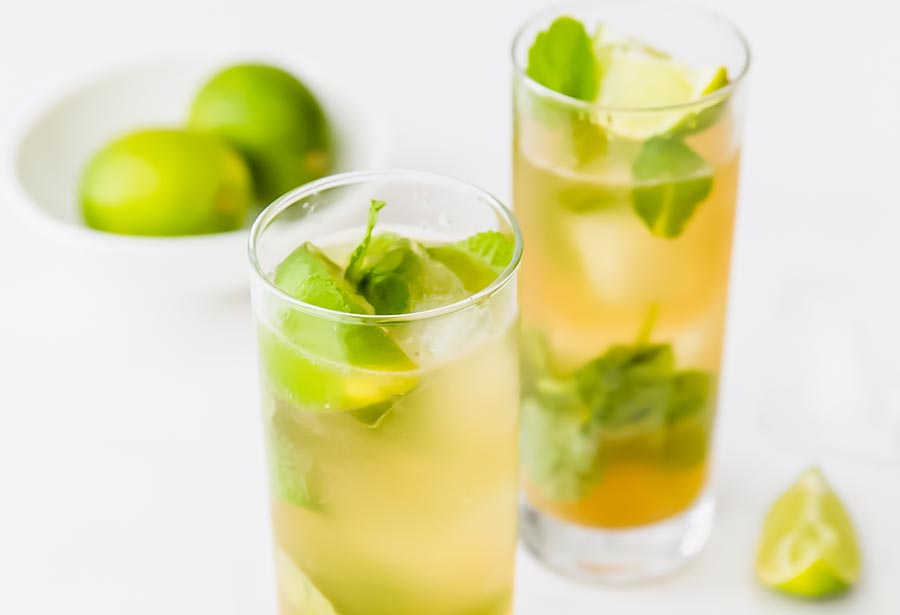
x=44 y=174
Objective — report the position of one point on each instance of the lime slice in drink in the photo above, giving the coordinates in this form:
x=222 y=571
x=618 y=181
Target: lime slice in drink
x=635 y=76
x=478 y=259
x=297 y=592
x=808 y=545
x=318 y=361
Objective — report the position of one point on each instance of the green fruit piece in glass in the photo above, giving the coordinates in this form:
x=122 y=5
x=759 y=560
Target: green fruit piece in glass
x=273 y=119
x=322 y=363
x=478 y=259
x=166 y=182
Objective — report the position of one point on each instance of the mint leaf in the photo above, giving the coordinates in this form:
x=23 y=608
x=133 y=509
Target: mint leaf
x=628 y=385
x=560 y=444
x=690 y=393
x=638 y=385
x=360 y=252
x=672 y=180
x=405 y=278
x=568 y=422
x=562 y=59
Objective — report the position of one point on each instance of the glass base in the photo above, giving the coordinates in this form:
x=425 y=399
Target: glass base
x=617 y=556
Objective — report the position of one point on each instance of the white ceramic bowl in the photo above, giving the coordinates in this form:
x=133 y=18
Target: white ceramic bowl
x=46 y=163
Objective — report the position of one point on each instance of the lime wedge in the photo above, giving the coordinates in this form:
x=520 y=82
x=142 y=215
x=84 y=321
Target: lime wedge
x=294 y=476
x=478 y=259
x=297 y=592
x=634 y=75
x=317 y=362
x=808 y=546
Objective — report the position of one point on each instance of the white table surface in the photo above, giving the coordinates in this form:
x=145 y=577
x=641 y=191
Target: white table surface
x=131 y=476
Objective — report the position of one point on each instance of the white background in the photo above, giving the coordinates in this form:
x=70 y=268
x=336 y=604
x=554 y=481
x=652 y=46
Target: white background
x=130 y=453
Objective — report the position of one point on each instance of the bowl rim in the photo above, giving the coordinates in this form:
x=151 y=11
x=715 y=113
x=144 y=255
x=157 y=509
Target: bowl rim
x=30 y=212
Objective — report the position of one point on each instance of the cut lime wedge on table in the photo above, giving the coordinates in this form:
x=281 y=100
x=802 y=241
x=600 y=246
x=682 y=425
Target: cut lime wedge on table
x=635 y=75
x=808 y=545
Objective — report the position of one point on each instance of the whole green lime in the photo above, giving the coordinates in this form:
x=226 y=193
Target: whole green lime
x=166 y=182
x=273 y=119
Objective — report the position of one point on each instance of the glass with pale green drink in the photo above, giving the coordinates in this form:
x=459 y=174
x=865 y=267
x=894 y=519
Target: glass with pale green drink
x=628 y=118
x=385 y=306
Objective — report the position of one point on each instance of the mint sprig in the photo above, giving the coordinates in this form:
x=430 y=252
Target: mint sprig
x=359 y=254
x=639 y=385
x=672 y=181
x=567 y=421
x=560 y=445
x=562 y=59
x=627 y=385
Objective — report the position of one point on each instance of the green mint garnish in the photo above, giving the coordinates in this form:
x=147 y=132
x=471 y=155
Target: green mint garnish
x=628 y=385
x=356 y=259
x=631 y=385
x=399 y=276
x=672 y=182
x=690 y=393
x=638 y=384
x=630 y=389
x=562 y=59
x=560 y=444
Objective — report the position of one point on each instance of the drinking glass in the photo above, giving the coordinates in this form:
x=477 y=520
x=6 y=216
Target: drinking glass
x=393 y=481
x=628 y=215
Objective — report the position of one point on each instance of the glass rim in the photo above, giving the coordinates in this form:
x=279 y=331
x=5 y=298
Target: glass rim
x=271 y=212
x=559 y=10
